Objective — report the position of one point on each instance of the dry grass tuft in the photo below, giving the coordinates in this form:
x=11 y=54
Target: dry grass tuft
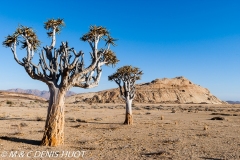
x=171 y=141
x=203 y=135
x=23 y=124
x=71 y=119
x=174 y=110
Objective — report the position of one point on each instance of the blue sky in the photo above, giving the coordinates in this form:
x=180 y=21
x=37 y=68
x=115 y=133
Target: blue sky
x=199 y=39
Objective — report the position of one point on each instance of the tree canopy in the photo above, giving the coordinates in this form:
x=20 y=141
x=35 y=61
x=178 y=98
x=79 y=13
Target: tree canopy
x=63 y=64
x=125 y=77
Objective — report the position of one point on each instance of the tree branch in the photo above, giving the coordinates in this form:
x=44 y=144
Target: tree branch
x=29 y=46
x=53 y=38
x=46 y=66
x=14 y=51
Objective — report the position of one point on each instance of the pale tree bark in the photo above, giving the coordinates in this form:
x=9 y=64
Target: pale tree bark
x=59 y=71
x=129 y=115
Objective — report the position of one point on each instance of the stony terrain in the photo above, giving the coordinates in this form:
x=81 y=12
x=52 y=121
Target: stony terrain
x=160 y=131
x=202 y=128
x=178 y=90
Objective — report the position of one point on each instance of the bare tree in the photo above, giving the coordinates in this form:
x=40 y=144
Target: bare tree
x=59 y=71
x=126 y=77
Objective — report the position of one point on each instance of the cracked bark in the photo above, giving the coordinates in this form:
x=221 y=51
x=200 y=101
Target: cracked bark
x=54 y=126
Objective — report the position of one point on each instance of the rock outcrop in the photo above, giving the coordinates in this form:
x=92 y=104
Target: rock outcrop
x=177 y=90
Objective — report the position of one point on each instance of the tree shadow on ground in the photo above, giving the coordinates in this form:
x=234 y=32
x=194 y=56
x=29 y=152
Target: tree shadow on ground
x=21 y=140
x=156 y=155
x=6 y=118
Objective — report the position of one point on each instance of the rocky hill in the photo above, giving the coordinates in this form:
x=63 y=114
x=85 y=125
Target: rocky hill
x=43 y=94
x=176 y=90
x=14 y=95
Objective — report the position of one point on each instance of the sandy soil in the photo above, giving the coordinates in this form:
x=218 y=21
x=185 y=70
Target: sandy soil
x=96 y=131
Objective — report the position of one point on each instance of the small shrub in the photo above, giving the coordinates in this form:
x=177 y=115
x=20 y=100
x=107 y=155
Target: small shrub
x=9 y=102
x=137 y=108
x=203 y=135
x=81 y=120
x=173 y=110
x=23 y=124
x=73 y=119
x=171 y=141
x=83 y=141
x=218 y=118
x=147 y=107
x=39 y=119
x=98 y=119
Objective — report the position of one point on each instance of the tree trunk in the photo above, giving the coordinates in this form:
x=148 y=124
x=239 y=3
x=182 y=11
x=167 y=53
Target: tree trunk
x=54 y=127
x=129 y=116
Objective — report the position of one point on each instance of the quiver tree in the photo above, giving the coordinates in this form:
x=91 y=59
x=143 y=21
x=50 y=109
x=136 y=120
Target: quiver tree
x=126 y=77
x=61 y=68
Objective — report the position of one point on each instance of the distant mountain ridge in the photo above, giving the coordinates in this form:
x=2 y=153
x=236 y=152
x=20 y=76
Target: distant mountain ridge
x=43 y=94
x=233 y=102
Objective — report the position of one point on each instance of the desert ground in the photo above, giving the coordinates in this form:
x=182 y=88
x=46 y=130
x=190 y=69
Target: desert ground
x=96 y=131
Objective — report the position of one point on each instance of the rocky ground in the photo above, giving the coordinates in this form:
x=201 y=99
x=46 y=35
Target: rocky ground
x=96 y=131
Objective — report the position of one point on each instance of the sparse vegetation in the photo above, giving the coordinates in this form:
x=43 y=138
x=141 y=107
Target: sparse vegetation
x=98 y=119
x=171 y=140
x=9 y=102
x=39 y=119
x=203 y=134
x=23 y=124
x=174 y=110
x=108 y=135
x=81 y=120
x=72 y=119
x=218 y=118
